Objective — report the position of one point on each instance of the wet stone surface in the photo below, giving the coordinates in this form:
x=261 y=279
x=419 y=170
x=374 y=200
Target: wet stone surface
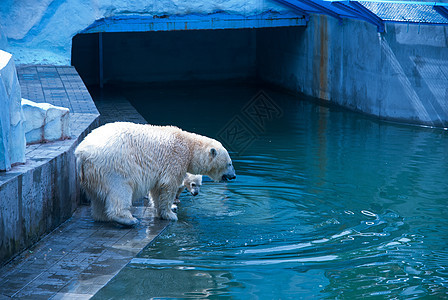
x=78 y=258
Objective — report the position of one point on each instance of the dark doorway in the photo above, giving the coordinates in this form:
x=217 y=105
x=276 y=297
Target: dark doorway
x=166 y=56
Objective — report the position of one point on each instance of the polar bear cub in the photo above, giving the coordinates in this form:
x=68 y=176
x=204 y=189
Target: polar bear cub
x=192 y=183
x=120 y=162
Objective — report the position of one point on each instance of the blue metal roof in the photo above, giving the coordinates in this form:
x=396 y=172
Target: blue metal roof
x=375 y=11
x=402 y=12
x=422 y=2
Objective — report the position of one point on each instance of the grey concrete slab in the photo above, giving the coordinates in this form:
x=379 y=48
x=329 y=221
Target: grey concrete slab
x=78 y=258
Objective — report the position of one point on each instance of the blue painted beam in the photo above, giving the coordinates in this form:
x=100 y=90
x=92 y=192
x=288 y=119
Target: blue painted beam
x=138 y=23
x=353 y=12
x=368 y=15
x=442 y=10
x=295 y=8
x=432 y=3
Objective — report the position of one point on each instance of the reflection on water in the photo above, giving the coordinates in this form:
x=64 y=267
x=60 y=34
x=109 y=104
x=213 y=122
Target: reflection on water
x=327 y=204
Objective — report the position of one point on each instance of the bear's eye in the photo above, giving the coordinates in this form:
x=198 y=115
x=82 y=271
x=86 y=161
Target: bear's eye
x=193 y=184
x=230 y=164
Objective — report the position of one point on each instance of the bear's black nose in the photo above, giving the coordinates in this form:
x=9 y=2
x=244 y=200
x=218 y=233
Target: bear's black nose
x=226 y=177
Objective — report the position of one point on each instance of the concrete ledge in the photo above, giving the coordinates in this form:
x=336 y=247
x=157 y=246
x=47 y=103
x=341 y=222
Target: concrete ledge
x=39 y=195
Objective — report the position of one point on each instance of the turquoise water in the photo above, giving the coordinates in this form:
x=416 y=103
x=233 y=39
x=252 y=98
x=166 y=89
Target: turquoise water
x=327 y=204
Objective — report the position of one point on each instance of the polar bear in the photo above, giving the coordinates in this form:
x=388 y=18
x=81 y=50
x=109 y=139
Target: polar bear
x=192 y=183
x=120 y=162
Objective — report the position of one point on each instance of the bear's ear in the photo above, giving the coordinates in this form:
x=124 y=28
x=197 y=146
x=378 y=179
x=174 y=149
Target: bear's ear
x=213 y=152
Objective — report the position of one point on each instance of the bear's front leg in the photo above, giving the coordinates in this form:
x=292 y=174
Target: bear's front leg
x=163 y=200
x=97 y=210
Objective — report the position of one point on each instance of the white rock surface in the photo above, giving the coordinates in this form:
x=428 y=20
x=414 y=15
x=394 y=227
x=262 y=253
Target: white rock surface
x=45 y=122
x=12 y=135
x=3 y=40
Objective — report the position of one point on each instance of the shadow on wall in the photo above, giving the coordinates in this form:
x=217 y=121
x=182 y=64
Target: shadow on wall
x=422 y=74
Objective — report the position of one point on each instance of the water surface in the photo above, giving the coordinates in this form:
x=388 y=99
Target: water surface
x=327 y=204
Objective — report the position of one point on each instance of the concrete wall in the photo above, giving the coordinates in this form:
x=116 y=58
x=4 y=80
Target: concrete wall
x=399 y=75
x=35 y=202
x=167 y=56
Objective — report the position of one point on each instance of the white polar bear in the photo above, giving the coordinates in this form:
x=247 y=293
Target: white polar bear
x=120 y=162
x=192 y=183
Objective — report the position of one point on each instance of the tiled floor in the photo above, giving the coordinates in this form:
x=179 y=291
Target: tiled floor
x=114 y=107
x=60 y=86
x=80 y=256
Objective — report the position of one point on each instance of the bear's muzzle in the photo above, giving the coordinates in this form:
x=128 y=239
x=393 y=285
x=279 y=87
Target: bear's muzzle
x=227 y=177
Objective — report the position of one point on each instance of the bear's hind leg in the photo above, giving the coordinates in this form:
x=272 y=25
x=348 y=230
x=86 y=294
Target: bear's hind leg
x=118 y=204
x=96 y=204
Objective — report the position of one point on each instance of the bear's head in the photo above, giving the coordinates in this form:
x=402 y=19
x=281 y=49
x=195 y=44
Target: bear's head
x=209 y=158
x=220 y=166
x=193 y=183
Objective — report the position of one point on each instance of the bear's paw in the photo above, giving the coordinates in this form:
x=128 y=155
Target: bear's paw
x=128 y=222
x=168 y=215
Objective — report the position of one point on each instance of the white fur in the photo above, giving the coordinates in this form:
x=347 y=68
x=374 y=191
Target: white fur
x=120 y=162
x=192 y=183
